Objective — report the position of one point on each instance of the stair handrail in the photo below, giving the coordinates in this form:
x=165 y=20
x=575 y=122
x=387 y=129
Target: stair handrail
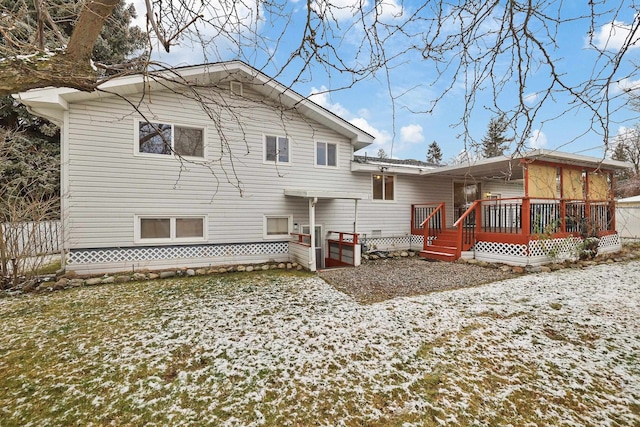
x=459 y=224
x=425 y=223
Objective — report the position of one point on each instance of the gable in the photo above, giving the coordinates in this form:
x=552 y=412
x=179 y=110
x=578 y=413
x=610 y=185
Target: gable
x=51 y=103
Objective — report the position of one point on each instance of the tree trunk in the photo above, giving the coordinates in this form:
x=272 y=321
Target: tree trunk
x=64 y=68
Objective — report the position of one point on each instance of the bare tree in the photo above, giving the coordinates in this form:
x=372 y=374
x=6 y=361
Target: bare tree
x=26 y=202
x=472 y=47
x=626 y=147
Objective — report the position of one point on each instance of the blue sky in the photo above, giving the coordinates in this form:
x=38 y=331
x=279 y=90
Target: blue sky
x=403 y=127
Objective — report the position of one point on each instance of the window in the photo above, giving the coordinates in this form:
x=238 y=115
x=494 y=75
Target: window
x=170 y=229
x=326 y=154
x=383 y=187
x=277 y=226
x=164 y=138
x=276 y=149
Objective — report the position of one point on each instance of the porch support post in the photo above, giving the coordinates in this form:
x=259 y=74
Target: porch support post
x=355 y=214
x=525 y=221
x=312 y=231
x=612 y=204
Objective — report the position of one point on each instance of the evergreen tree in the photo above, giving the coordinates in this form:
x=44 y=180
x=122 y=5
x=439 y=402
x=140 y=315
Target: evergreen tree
x=36 y=156
x=495 y=142
x=620 y=152
x=434 y=154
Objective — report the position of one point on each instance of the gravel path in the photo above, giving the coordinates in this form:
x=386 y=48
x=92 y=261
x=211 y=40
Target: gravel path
x=385 y=279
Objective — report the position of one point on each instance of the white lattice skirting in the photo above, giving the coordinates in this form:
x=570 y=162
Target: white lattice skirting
x=540 y=252
x=394 y=242
x=117 y=259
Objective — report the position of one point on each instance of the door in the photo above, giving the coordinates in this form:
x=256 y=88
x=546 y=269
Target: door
x=319 y=238
x=464 y=194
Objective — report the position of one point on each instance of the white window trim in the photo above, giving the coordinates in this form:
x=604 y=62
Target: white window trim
x=234 y=86
x=264 y=150
x=136 y=139
x=277 y=236
x=395 y=188
x=315 y=155
x=173 y=239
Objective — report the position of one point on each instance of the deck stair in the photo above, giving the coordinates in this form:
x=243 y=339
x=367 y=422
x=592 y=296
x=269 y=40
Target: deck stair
x=443 y=248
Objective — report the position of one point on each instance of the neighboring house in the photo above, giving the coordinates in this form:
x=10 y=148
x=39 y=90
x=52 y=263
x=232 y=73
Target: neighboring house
x=628 y=217
x=220 y=164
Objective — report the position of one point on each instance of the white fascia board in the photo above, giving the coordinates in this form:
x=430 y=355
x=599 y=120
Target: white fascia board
x=47 y=103
x=576 y=159
x=388 y=168
x=160 y=79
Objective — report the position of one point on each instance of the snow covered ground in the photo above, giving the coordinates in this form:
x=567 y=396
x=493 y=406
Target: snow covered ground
x=270 y=349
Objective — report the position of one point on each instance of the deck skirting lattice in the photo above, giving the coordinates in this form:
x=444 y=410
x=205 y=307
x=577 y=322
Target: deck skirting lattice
x=153 y=253
x=508 y=249
x=562 y=248
x=412 y=241
x=540 y=251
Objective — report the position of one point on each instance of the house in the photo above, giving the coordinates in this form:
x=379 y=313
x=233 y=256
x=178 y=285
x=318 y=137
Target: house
x=628 y=217
x=219 y=164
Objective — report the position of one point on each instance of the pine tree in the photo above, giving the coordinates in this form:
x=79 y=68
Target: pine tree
x=495 y=142
x=35 y=158
x=434 y=154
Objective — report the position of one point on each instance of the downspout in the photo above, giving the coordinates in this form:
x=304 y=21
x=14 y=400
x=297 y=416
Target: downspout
x=312 y=231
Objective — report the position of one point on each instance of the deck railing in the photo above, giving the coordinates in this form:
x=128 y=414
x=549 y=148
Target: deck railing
x=428 y=216
x=516 y=220
x=529 y=216
x=467 y=227
x=343 y=250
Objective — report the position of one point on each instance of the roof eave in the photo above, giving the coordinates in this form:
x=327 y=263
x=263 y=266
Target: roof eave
x=58 y=98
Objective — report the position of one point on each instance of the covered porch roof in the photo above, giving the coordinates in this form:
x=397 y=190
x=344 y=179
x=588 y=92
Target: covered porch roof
x=510 y=168
x=506 y=168
x=323 y=194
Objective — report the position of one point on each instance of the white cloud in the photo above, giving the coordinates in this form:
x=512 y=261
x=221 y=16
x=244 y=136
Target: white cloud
x=613 y=36
x=382 y=137
x=531 y=98
x=348 y=10
x=389 y=10
x=213 y=36
x=624 y=85
x=412 y=134
x=322 y=98
x=340 y=10
x=537 y=139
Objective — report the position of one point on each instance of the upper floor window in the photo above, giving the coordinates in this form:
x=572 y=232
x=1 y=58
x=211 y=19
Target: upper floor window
x=326 y=154
x=276 y=149
x=164 y=138
x=383 y=187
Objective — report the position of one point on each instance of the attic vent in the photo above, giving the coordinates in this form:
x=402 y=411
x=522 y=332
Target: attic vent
x=236 y=88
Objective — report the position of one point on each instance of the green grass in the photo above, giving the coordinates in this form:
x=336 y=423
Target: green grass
x=281 y=348
x=49 y=268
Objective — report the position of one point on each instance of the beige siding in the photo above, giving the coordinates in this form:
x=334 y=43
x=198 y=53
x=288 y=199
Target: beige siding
x=506 y=189
x=109 y=184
